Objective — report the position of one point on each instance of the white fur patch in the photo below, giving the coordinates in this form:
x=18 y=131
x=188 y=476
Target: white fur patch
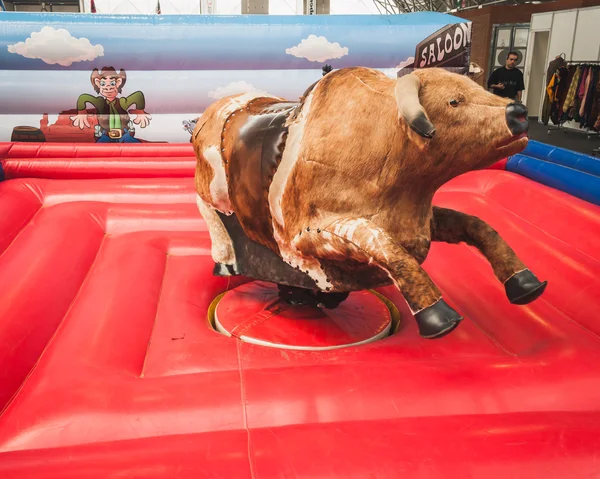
x=221 y=247
x=240 y=101
x=346 y=228
x=306 y=264
x=219 y=193
x=289 y=159
x=291 y=153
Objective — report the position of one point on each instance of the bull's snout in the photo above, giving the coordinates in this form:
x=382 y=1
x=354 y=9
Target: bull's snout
x=516 y=118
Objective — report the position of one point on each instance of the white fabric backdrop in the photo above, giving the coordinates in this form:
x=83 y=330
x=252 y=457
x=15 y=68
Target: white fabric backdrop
x=145 y=7
x=180 y=7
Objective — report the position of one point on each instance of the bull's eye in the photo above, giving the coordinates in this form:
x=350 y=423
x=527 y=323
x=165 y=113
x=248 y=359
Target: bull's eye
x=453 y=103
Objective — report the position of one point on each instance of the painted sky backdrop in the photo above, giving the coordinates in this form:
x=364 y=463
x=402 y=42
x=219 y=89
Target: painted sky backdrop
x=165 y=91
x=184 y=63
x=196 y=42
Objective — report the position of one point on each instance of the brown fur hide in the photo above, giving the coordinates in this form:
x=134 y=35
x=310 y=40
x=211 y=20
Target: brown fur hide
x=339 y=186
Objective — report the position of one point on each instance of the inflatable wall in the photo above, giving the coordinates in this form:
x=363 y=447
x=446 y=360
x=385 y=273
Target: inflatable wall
x=107 y=78
x=559 y=168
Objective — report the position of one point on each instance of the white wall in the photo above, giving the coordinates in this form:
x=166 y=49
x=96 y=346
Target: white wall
x=534 y=94
x=587 y=38
x=574 y=33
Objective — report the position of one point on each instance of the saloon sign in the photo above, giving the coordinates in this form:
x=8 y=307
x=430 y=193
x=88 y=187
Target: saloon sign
x=448 y=48
x=448 y=44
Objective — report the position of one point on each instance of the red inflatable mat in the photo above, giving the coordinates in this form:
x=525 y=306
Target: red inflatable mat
x=83 y=161
x=109 y=366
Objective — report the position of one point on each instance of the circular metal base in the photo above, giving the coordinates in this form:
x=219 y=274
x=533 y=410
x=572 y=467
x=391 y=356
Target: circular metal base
x=255 y=313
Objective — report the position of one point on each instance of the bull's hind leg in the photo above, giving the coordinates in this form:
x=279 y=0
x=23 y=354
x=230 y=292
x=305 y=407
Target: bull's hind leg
x=363 y=241
x=222 y=250
x=520 y=283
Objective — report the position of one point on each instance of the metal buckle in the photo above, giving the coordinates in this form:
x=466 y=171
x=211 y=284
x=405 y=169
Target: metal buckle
x=115 y=134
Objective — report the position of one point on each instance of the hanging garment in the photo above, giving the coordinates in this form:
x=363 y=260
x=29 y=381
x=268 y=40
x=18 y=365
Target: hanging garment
x=589 y=96
x=584 y=92
x=572 y=89
x=573 y=113
x=597 y=124
x=580 y=93
x=547 y=105
x=565 y=78
x=595 y=110
x=551 y=88
x=560 y=92
x=550 y=98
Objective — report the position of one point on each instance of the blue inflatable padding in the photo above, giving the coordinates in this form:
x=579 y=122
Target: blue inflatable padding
x=562 y=156
x=577 y=183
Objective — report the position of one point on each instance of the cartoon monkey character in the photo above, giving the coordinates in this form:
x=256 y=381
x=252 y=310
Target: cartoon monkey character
x=115 y=125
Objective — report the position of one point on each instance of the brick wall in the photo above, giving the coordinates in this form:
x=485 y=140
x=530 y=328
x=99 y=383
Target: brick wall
x=480 y=40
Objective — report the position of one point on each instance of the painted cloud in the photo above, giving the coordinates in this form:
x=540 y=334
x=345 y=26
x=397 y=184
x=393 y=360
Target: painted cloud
x=57 y=47
x=391 y=72
x=232 y=89
x=406 y=62
x=317 y=49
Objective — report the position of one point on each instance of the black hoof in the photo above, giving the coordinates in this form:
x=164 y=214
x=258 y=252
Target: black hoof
x=437 y=320
x=221 y=269
x=524 y=287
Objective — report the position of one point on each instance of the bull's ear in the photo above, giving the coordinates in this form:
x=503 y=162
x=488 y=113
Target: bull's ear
x=409 y=107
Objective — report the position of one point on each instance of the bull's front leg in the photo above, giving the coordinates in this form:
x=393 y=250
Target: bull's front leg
x=365 y=242
x=520 y=284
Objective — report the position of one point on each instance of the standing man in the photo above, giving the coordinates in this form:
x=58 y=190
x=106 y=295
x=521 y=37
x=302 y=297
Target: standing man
x=507 y=81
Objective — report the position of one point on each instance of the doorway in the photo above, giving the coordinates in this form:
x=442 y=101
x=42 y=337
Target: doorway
x=537 y=78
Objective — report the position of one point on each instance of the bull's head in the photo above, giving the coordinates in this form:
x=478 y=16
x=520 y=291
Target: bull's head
x=457 y=119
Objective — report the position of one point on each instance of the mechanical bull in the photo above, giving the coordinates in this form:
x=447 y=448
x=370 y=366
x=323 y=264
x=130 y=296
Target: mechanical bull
x=333 y=193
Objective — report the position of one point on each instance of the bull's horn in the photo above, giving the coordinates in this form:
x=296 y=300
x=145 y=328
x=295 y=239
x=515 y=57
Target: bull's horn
x=407 y=99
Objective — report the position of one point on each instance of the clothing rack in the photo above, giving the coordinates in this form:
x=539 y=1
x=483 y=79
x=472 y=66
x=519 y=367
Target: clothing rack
x=566 y=129
x=590 y=134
